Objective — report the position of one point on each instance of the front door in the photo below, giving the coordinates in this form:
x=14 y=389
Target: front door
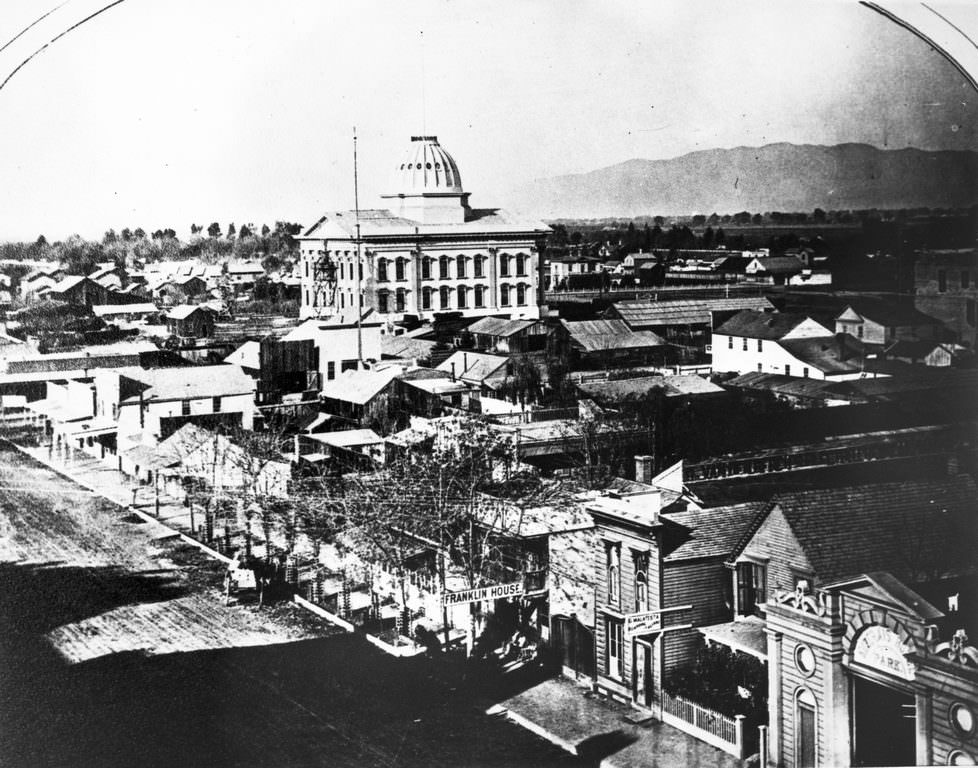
x=806 y=736
x=642 y=674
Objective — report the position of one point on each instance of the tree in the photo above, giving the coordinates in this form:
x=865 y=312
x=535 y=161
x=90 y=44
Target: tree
x=265 y=230
x=231 y=231
x=214 y=230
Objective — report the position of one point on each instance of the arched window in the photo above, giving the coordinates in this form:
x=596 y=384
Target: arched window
x=480 y=296
x=521 y=264
x=381 y=270
x=342 y=301
x=504 y=264
x=479 y=266
x=426 y=298
x=399 y=300
x=444 y=297
x=521 y=294
x=443 y=268
x=462 y=290
x=460 y=267
x=399 y=269
x=806 y=755
x=426 y=268
x=504 y=295
x=641 y=582
x=382 y=299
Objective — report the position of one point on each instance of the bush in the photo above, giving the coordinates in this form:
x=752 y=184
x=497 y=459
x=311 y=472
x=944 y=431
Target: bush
x=713 y=678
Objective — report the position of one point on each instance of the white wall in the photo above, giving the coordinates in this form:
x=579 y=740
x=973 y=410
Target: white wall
x=771 y=359
x=338 y=344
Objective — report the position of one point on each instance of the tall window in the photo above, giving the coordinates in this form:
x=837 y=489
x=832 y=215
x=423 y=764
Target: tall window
x=399 y=269
x=804 y=372
x=760 y=345
x=381 y=270
x=480 y=296
x=641 y=582
x=504 y=295
x=479 y=266
x=751 y=587
x=615 y=666
x=185 y=408
x=745 y=344
x=787 y=369
x=444 y=297
x=521 y=265
x=216 y=404
x=461 y=297
x=504 y=264
x=382 y=302
x=443 y=268
x=729 y=342
x=613 y=571
x=521 y=294
x=342 y=274
x=399 y=299
x=425 y=298
x=460 y=267
x=426 y=268
x=331 y=370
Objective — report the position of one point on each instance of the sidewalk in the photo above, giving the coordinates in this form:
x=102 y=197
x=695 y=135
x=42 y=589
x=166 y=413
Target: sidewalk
x=596 y=730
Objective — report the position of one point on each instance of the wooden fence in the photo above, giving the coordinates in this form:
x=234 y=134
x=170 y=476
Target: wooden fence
x=723 y=732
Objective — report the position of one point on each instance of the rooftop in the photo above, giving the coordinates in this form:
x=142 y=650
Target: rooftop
x=762 y=325
x=359 y=387
x=684 y=311
x=189 y=382
x=498 y=326
x=711 y=532
x=829 y=354
x=473 y=366
x=605 y=335
x=890 y=313
x=672 y=386
x=381 y=224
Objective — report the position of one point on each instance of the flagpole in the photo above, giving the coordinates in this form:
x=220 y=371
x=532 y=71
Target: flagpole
x=358 y=302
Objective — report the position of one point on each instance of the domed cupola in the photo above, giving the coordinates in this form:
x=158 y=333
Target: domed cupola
x=427 y=186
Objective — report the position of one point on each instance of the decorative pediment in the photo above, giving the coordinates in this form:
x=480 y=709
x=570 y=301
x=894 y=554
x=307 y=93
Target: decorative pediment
x=958 y=649
x=802 y=599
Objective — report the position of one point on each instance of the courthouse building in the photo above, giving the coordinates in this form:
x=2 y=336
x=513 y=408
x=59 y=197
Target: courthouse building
x=429 y=251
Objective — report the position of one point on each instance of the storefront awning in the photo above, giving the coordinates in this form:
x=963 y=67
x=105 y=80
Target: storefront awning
x=89 y=428
x=745 y=635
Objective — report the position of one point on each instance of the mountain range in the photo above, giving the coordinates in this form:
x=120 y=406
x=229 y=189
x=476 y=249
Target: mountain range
x=775 y=177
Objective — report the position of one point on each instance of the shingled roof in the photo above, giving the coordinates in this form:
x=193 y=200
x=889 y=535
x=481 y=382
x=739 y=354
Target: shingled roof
x=647 y=314
x=712 y=532
x=916 y=530
x=763 y=325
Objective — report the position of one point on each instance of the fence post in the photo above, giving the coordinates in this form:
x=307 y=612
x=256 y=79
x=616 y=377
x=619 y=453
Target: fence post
x=739 y=735
x=762 y=744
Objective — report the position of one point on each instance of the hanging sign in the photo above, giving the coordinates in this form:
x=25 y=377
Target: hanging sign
x=651 y=621
x=516 y=589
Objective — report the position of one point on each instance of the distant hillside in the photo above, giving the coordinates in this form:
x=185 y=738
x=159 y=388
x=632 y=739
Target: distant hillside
x=775 y=177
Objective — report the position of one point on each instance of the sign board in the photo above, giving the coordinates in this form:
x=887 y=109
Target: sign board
x=642 y=623
x=516 y=589
x=881 y=649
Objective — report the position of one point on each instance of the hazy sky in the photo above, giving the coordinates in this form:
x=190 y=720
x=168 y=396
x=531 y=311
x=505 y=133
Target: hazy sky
x=160 y=113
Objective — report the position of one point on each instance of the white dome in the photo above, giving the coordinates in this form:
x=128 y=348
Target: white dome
x=426 y=168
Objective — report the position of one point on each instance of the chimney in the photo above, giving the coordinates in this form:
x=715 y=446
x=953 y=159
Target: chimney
x=465 y=362
x=453 y=371
x=643 y=469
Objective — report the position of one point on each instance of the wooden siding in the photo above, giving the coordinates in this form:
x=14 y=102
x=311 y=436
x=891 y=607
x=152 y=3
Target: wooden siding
x=704 y=584
x=775 y=542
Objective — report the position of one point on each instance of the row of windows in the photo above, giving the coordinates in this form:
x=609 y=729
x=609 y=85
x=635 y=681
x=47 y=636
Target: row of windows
x=446 y=266
x=965 y=279
x=444 y=297
x=613 y=570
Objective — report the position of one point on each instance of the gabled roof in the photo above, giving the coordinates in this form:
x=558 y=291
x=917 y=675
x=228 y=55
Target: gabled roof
x=604 y=335
x=183 y=311
x=780 y=264
x=684 y=311
x=248 y=355
x=916 y=530
x=67 y=283
x=499 y=326
x=359 y=387
x=793 y=386
x=889 y=314
x=914 y=350
x=712 y=532
x=763 y=325
x=473 y=366
x=672 y=386
x=314 y=327
x=347 y=438
x=381 y=223
x=189 y=382
x=107 y=310
x=829 y=354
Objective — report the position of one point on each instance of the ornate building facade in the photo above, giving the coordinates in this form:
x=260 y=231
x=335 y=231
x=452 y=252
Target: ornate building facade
x=428 y=252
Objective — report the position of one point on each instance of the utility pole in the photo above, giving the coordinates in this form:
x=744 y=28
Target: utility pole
x=358 y=304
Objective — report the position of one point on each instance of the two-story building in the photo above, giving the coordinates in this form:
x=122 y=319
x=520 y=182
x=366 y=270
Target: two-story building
x=340 y=344
x=429 y=252
x=784 y=343
x=868 y=595
x=884 y=323
x=946 y=287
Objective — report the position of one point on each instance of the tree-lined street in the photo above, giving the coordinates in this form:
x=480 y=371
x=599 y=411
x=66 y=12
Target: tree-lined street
x=116 y=648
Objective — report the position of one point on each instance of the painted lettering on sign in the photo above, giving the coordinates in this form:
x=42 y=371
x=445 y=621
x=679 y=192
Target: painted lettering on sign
x=881 y=649
x=495 y=592
x=642 y=623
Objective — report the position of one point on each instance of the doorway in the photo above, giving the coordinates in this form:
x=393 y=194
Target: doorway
x=884 y=725
x=642 y=674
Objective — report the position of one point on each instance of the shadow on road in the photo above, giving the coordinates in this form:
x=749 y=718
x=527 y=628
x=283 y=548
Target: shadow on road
x=335 y=700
